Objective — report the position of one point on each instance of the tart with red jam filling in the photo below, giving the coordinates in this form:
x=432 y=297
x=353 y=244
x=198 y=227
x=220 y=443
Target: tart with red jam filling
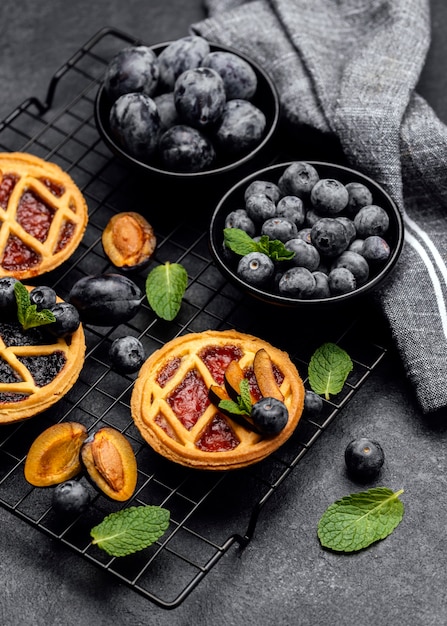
x=43 y=215
x=36 y=368
x=178 y=416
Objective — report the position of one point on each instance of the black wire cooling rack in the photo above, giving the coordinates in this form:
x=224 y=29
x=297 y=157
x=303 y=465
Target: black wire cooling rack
x=210 y=512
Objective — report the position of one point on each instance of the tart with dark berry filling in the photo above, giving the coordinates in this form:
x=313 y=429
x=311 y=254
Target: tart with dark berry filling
x=36 y=368
x=173 y=409
x=43 y=215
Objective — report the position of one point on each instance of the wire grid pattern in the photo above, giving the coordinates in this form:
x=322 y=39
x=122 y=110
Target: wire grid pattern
x=210 y=511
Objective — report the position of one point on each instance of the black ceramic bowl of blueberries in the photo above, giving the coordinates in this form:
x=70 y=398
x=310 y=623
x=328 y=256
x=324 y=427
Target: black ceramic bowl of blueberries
x=187 y=110
x=306 y=233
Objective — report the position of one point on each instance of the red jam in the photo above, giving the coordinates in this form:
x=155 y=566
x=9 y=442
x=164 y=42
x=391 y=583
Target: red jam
x=161 y=421
x=65 y=236
x=189 y=399
x=34 y=216
x=218 y=436
x=250 y=376
x=18 y=256
x=217 y=359
x=56 y=189
x=7 y=184
x=168 y=371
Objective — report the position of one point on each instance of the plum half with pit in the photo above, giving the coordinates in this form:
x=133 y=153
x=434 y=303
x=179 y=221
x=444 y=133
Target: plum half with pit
x=133 y=69
x=183 y=148
x=240 y=128
x=199 y=96
x=135 y=123
x=238 y=76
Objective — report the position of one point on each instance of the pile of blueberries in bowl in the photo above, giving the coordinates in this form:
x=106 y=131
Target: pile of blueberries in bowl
x=187 y=109
x=306 y=233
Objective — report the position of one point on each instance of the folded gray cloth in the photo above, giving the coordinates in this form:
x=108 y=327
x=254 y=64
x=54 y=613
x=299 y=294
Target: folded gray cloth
x=349 y=68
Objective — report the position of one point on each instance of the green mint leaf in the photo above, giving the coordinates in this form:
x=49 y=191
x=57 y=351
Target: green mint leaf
x=329 y=368
x=231 y=407
x=239 y=241
x=278 y=252
x=130 y=530
x=27 y=313
x=358 y=520
x=244 y=399
x=165 y=288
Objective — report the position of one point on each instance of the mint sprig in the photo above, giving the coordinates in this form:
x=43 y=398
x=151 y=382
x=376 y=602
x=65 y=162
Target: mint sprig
x=243 y=405
x=165 y=288
x=27 y=313
x=328 y=370
x=241 y=243
x=130 y=530
x=356 y=521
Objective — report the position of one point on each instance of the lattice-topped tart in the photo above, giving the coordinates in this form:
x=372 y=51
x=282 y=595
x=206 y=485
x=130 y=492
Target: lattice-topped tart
x=43 y=215
x=172 y=409
x=36 y=369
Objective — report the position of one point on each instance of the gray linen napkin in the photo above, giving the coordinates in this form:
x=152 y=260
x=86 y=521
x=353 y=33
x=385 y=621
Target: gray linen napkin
x=349 y=68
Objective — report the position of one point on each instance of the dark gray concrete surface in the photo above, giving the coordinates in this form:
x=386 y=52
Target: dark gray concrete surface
x=283 y=577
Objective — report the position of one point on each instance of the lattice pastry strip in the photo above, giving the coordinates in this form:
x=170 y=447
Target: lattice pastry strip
x=190 y=439
x=43 y=215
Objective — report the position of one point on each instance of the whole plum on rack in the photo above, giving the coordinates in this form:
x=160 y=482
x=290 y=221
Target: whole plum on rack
x=133 y=69
x=135 y=122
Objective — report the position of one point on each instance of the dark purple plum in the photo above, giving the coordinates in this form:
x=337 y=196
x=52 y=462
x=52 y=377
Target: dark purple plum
x=186 y=149
x=105 y=299
x=199 y=96
x=241 y=127
x=166 y=109
x=238 y=76
x=181 y=55
x=134 y=69
x=135 y=123
x=298 y=179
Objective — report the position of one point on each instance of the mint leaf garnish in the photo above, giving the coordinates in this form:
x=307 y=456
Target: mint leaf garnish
x=130 y=530
x=243 y=405
x=329 y=368
x=27 y=313
x=358 y=520
x=241 y=243
x=165 y=288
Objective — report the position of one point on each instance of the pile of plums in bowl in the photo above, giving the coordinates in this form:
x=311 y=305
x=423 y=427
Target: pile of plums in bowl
x=187 y=108
x=303 y=233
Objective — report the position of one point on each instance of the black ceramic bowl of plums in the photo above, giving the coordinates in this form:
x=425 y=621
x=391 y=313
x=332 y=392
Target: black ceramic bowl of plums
x=188 y=110
x=306 y=234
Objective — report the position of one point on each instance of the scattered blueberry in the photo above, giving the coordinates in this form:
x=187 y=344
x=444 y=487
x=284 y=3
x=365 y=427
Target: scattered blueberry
x=127 y=354
x=256 y=268
x=70 y=497
x=313 y=403
x=364 y=458
x=43 y=297
x=270 y=415
x=67 y=319
x=8 y=303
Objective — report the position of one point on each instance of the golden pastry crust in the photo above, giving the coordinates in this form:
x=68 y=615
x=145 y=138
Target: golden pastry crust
x=38 y=398
x=43 y=215
x=154 y=415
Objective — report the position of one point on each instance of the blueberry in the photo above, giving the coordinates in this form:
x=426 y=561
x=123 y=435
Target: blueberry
x=238 y=76
x=329 y=236
x=354 y=262
x=127 y=354
x=135 y=123
x=304 y=234
x=313 y=403
x=322 y=289
x=256 y=268
x=359 y=196
x=67 y=319
x=279 y=228
x=239 y=218
x=70 y=497
x=263 y=186
x=166 y=109
x=133 y=70
x=181 y=55
x=8 y=302
x=43 y=297
x=240 y=128
x=375 y=250
x=356 y=246
x=364 y=458
x=306 y=255
x=298 y=179
x=341 y=280
x=292 y=208
x=329 y=197
x=349 y=225
x=311 y=218
x=185 y=149
x=270 y=415
x=199 y=96
x=297 y=282
x=371 y=220
x=260 y=207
